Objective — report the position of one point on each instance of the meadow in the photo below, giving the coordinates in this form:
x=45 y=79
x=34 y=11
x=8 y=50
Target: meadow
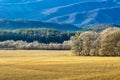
x=56 y=65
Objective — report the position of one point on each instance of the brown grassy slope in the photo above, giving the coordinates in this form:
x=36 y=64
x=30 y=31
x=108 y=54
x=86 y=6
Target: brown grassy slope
x=56 y=65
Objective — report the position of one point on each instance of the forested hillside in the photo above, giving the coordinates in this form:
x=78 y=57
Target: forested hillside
x=25 y=24
x=21 y=24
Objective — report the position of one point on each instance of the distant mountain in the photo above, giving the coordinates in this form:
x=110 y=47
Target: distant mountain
x=97 y=16
x=22 y=24
x=100 y=27
x=75 y=12
x=78 y=7
x=30 y=9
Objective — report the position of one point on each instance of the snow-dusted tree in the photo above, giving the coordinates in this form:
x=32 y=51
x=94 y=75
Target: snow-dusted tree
x=66 y=45
x=76 y=44
x=88 y=39
x=90 y=43
x=109 y=42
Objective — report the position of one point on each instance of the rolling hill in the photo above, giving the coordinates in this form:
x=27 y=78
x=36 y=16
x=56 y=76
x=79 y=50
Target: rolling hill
x=22 y=24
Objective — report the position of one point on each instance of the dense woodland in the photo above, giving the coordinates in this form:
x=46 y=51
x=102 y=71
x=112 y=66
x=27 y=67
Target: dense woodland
x=40 y=35
x=91 y=43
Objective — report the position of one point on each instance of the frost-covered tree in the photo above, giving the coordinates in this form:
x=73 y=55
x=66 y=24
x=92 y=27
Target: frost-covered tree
x=109 y=42
x=10 y=44
x=76 y=44
x=90 y=43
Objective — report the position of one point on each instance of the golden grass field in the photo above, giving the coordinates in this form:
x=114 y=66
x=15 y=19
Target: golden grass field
x=56 y=65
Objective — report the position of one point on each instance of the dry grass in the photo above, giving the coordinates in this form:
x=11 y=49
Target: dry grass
x=56 y=65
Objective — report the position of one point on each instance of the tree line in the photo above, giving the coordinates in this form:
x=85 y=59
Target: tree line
x=91 y=43
x=20 y=45
x=41 y=35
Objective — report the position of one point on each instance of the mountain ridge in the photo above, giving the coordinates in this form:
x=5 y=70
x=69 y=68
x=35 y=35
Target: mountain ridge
x=87 y=14
x=75 y=12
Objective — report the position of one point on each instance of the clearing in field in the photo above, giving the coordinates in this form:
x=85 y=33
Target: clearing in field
x=56 y=65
